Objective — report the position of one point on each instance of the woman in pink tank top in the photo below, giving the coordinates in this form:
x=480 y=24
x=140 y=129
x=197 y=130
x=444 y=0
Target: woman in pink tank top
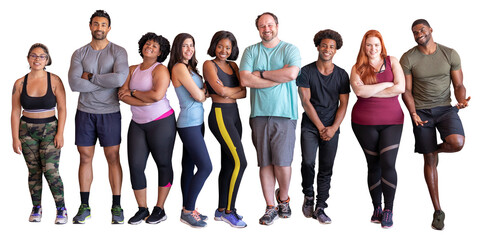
x=377 y=120
x=153 y=126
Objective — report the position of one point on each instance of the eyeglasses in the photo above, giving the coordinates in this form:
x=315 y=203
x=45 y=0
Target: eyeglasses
x=35 y=56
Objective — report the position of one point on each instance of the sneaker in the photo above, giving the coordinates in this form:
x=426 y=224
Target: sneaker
x=308 y=206
x=284 y=210
x=321 y=216
x=233 y=219
x=218 y=214
x=387 y=221
x=192 y=219
x=269 y=216
x=36 y=214
x=117 y=215
x=82 y=215
x=377 y=215
x=61 y=216
x=438 y=220
x=158 y=215
x=140 y=215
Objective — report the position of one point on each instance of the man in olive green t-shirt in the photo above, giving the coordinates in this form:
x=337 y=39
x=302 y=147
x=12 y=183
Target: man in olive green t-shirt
x=429 y=70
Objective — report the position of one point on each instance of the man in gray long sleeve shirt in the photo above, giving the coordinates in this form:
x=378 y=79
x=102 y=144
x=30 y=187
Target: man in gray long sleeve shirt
x=97 y=70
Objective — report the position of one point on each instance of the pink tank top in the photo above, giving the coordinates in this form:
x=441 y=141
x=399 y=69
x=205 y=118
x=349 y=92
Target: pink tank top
x=378 y=111
x=141 y=80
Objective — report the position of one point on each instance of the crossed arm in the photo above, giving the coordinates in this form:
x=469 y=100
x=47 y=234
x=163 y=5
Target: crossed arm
x=270 y=78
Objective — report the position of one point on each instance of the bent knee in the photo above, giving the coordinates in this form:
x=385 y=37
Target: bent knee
x=456 y=142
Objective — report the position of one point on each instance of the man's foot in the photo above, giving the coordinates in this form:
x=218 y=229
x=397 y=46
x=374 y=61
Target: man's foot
x=158 y=215
x=82 y=215
x=36 y=214
x=140 y=215
x=387 y=221
x=308 y=206
x=321 y=216
x=284 y=210
x=269 y=216
x=61 y=216
x=438 y=220
x=377 y=215
x=117 y=215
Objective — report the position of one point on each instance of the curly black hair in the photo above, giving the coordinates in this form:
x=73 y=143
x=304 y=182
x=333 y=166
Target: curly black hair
x=218 y=36
x=328 y=34
x=164 y=45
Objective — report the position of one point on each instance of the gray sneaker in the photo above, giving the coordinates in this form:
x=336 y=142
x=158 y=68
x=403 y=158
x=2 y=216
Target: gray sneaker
x=284 y=210
x=36 y=214
x=269 y=216
x=61 y=217
x=321 y=216
x=308 y=206
x=193 y=219
x=117 y=215
x=82 y=215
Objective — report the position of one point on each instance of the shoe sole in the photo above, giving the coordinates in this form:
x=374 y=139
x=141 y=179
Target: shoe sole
x=232 y=225
x=158 y=221
x=81 y=221
x=187 y=223
x=117 y=222
x=268 y=223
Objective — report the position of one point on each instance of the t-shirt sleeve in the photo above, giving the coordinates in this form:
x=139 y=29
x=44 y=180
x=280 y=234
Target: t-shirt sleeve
x=345 y=83
x=455 y=63
x=303 y=79
x=246 y=63
x=405 y=63
x=294 y=56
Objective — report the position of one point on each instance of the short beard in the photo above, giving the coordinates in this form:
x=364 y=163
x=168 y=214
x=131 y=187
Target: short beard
x=102 y=36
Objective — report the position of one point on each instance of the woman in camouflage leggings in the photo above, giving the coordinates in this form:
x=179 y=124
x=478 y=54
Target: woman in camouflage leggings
x=38 y=134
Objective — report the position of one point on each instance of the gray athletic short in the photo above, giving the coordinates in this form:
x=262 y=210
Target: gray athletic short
x=274 y=140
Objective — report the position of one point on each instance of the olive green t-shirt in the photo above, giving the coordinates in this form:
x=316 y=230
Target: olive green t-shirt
x=430 y=75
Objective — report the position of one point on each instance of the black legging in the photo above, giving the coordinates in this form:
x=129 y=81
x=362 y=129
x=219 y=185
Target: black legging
x=380 y=145
x=226 y=126
x=156 y=137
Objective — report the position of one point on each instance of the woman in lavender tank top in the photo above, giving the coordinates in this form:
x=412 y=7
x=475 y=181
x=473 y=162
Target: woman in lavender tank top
x=377 y=120
x=153 y=126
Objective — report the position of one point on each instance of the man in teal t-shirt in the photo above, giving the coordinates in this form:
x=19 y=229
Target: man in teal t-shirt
x=270 y=68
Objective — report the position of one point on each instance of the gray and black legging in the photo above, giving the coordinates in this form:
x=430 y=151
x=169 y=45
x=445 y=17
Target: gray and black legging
x=380 y=144
x=156 y=137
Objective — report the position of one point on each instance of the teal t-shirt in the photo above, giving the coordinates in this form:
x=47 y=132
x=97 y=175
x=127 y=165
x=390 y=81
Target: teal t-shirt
x=280 y=100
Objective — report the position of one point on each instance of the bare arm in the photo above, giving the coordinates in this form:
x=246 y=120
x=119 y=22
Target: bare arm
x=211 y=76
x=398 y=81
x=305 y=96
x=285 y=74
x=366 y=91
x=329 y=131
x=124 y=92
x=160 y=83
x=254 y=80
x=181 y=73
x=409 y=102
x=459 y=88
x=59 y=92
x=15 y=116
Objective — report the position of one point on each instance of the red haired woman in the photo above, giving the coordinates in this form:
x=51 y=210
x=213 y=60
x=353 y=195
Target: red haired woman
x=377 y=119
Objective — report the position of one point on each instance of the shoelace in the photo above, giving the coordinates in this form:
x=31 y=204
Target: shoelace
x=284 y=206
x=388 y=216
x=195 y=214
x=60 y=212
x=116 y=211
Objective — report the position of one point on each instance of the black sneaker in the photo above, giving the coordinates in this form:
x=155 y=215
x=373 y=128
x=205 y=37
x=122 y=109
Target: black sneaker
x=377 y=215
x=321 y=216
x=308 y=205
x=438 y=220
x=158 y=215
x=387 y=221
x=140 y=215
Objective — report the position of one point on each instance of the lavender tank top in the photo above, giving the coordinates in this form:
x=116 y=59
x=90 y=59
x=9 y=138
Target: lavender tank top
x=378 y=111
x=141 y=80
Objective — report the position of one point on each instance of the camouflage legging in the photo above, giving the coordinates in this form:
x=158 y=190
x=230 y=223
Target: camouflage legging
x=41 y=156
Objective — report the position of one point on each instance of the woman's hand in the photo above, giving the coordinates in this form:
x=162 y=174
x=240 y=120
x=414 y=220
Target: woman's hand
x=59 y=141
x=17 y=146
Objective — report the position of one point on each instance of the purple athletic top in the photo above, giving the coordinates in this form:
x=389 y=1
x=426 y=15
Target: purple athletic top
x=378 y=111
x=141 y=80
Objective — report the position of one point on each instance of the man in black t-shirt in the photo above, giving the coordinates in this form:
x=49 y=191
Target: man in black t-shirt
x=324 y=90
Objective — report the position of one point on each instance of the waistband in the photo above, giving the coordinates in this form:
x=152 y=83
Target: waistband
x=38 y=110
x=38 y=120
x=225 y=105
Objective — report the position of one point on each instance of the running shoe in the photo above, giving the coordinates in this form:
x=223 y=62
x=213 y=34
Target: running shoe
x=82 y=215
x=321 y=216
x=117 y=215
x=438 y=220
x=192 y=219
x=233 y=219
x=61 y=216
x=377 y=215
x=269 y=216
x=284 y=210
x=158 y=215
x=140 y=215
x=218 y=214
x=387 y=221
x=308 y=206
x=36 y=214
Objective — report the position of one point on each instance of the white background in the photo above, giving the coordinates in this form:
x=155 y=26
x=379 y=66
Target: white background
x=63 y=27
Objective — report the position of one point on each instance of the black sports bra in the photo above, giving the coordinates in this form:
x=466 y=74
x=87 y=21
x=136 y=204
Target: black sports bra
x=227 y=80
x=38 y=104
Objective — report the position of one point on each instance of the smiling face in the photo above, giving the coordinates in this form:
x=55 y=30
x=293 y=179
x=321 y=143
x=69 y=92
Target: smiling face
x=187 y=50
x=223 y=49
x=326 y=49
x=373 y=47
x=99 y=28
x=37 y=59
x=151 y=49
x=422 y=34
x=267 y=28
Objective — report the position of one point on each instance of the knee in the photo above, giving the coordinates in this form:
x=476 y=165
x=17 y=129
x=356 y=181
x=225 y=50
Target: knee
x=456 y=142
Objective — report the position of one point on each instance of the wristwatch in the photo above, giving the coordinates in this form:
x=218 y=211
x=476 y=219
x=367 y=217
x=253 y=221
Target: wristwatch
x=261 y=73
x=133 y=93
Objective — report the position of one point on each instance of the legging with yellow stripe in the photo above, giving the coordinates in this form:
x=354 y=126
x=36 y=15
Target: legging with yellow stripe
x=226 y=126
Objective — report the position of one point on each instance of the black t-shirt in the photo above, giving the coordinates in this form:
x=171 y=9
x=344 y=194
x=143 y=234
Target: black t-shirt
x=325 y=91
